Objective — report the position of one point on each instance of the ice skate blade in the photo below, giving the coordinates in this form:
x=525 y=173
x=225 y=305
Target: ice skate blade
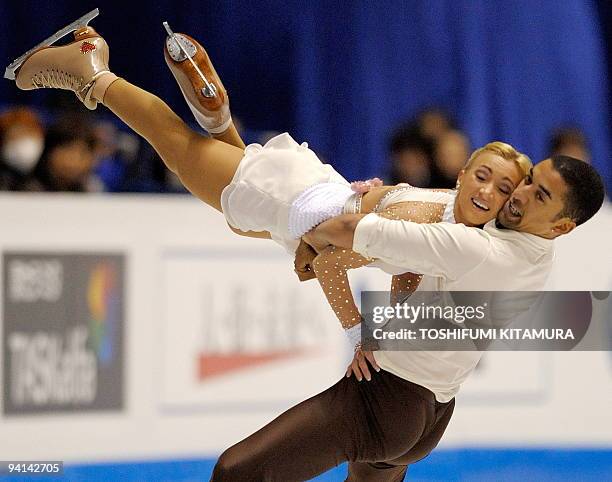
x=10 y=71
x=179 y=48
x=177 y=45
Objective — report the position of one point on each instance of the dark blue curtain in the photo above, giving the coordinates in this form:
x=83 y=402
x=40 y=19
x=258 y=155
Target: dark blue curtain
x=342 y=74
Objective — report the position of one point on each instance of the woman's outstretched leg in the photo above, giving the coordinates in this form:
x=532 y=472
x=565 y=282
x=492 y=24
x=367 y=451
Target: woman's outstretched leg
x=205 y=166
x=230 y=136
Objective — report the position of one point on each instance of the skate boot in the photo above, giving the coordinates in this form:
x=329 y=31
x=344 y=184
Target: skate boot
x=75 y=66
x=198 y=81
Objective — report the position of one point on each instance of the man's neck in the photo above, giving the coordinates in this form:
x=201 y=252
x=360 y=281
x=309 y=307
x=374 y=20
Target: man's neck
x=499 y=225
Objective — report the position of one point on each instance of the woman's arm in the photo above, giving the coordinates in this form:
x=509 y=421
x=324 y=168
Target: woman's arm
x=330 y=267
x=403 y=285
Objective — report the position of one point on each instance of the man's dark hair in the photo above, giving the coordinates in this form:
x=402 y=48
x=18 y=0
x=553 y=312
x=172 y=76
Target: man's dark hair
x=585 y=189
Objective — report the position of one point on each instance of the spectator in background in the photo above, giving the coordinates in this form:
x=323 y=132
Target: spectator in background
x=124 y=164
x=110 y=167
x=433 y=122
x=411 y=156
x=451 y=146
x=147 y=173
x=68 y=159
x=21 y=144
x=569 y=141
x=430 y=151
x=451 y=152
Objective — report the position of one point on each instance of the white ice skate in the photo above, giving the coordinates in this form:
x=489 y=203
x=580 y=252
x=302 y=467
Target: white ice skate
x=74 y=66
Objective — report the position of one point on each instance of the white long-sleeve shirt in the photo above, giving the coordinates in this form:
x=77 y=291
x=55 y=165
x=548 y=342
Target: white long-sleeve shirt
x=452 y=257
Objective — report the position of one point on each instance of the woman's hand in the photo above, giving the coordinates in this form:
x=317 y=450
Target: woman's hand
x=313 y=240
x=304 y=256
x=359 y=365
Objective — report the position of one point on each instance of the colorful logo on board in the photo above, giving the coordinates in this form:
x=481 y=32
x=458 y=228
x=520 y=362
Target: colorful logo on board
x=104 y=303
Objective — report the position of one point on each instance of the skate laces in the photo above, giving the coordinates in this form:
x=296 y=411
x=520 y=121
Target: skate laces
x=57 y=79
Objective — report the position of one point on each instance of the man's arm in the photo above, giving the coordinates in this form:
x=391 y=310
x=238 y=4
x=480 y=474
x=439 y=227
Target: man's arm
x=441 y=249
x=337 y=231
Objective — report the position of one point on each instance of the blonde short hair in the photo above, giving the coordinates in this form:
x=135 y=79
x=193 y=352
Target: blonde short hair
x=505 y=151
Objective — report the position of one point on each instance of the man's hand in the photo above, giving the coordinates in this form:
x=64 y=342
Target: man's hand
x=304 y=256
x=359 y=366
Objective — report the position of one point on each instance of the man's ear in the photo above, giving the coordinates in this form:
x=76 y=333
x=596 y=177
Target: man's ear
x=563 y=226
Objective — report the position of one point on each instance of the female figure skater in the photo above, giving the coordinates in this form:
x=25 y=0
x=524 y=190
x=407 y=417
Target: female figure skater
x=278 y=191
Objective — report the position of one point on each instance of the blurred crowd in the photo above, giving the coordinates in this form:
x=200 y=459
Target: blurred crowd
x=77 y=152
x=430 y=150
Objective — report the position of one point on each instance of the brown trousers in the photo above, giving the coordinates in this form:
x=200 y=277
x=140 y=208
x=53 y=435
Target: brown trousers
x=379 y=427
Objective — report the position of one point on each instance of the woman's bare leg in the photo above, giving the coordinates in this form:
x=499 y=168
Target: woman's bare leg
x=205 y=166
x=231 y=136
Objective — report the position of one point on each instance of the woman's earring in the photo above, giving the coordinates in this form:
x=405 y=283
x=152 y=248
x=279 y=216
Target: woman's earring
x=458 y=185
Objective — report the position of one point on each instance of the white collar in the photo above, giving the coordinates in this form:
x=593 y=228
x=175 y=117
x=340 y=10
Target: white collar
x=537 y=245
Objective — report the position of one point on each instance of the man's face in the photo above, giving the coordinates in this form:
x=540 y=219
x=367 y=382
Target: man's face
x=535 y=205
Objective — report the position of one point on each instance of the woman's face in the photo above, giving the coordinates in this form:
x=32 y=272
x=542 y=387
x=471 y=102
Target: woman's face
x=484 y=188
